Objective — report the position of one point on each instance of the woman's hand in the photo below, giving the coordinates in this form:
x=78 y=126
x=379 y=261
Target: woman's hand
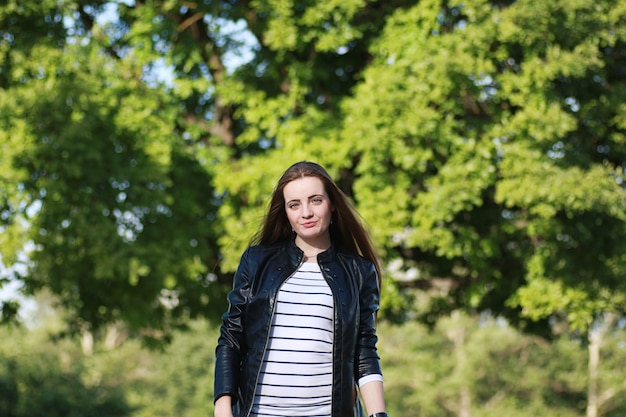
x=223 y=406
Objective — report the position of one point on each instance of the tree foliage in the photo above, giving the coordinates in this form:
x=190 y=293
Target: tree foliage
x=466 y=366
x=40 y=378
x=481 y=114
x=483 y=142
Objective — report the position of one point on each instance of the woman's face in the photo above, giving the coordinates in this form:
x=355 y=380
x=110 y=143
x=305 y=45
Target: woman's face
x=309 y=211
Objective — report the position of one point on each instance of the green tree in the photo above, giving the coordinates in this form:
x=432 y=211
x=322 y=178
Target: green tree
x=119 y=211
x=175 y=381
x=43 y=374
x=480 y=367
x=39 y=377
x=482 y=140
x=491 y=149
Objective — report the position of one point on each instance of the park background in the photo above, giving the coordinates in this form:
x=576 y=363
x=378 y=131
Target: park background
x=483 y=142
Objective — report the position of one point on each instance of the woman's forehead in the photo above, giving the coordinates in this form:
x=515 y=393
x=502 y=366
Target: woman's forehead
x=303 y=188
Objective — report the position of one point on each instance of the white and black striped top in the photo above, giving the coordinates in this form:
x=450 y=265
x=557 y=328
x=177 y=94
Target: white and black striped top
x=296 y=374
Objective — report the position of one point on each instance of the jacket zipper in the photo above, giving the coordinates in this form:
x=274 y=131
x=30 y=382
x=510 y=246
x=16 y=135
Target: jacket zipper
x=267 y=337
x=332 y=376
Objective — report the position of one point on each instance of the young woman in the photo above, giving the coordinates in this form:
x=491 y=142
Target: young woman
x=299 y=335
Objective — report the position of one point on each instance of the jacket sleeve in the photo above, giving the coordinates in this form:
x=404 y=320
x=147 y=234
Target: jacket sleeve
x=366 y=356
x=230 y=344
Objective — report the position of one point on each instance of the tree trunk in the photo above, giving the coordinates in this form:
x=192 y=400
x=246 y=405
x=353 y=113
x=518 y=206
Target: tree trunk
x=596 y=334
x=86 y=342
x=595 y=340
x=457 y=335
x=116 y=334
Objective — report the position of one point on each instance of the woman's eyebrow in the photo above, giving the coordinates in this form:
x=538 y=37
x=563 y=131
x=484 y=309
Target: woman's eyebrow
x=309 y=197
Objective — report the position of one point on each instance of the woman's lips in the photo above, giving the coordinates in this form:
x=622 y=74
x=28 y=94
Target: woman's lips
x=308 y=225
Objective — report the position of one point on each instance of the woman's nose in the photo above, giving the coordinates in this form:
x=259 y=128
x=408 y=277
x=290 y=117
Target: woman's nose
x=306 y=211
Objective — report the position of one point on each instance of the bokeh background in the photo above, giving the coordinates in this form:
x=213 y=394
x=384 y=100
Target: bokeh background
x=483 y=142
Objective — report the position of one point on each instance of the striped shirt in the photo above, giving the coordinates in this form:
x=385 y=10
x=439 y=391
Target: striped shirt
x=296 y=374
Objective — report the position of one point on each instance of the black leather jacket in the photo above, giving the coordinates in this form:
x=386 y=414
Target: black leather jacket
x=245 y=329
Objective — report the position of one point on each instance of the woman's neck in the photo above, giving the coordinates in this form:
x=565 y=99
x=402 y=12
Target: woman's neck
x=311 y=249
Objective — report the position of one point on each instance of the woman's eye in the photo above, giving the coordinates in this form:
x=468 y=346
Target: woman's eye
x=293 y=206
x=317 y=200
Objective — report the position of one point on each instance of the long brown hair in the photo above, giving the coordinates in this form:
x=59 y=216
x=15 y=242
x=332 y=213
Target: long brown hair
x=347 y=232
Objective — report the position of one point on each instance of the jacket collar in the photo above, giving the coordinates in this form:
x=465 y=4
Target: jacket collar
x=296 y=254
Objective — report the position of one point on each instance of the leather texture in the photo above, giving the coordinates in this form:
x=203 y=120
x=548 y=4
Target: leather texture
x=245 y=328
